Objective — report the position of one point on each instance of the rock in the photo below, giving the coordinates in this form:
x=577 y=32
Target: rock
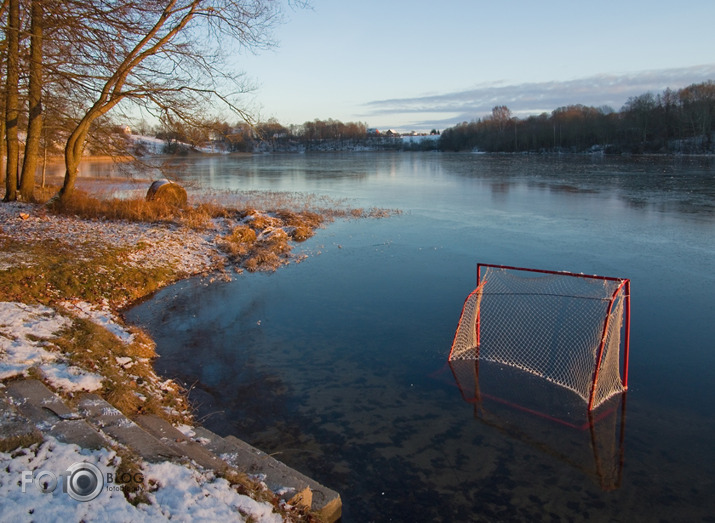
x=168 y=192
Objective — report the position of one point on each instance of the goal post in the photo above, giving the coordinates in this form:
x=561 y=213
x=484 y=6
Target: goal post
x=570 y=329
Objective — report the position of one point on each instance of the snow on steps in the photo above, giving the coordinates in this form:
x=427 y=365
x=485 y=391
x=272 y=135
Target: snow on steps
x=43 y=410
x=28 y=409
x=277 y=475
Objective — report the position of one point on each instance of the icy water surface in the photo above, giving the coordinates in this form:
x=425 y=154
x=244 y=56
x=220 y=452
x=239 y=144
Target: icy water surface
x=337 y=365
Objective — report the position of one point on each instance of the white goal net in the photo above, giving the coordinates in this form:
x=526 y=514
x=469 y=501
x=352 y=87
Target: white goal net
x=564 y=327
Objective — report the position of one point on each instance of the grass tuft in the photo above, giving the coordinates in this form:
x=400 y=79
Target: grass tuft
x=132 y=387
x=238 y=243
x=82 y=205
x=13 y=442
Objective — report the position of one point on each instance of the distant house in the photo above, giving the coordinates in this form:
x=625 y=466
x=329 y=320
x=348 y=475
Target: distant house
x=373 y=132
x=391 y=132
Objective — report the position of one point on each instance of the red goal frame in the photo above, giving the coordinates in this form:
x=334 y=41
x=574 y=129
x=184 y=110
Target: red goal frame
x=623 y=286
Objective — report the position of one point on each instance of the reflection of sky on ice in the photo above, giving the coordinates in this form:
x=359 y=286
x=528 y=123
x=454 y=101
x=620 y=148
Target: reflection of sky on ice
x=332 y=362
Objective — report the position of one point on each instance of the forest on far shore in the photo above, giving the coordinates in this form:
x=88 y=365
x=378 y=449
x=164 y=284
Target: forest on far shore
x=671 y=122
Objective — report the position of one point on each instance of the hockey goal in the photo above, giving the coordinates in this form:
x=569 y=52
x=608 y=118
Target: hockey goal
x=569 y=329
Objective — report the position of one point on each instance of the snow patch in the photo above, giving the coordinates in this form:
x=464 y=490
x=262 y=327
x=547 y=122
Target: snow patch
x=182 y=493
x=101 y=315
x=186 y=430
x=124 y=361
x=70 y=378
x=25 y=332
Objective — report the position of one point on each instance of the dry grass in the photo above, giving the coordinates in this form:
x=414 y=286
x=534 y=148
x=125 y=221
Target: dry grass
x=132 y=387
x=238 y=243
x=43 y=194
x=268 y=252
x=301 y=223
x=259 y=221
x=10 y=443
x=51 y=271
x=324 y=206
x=86 y=206
x=262 y=241
x=128 y=466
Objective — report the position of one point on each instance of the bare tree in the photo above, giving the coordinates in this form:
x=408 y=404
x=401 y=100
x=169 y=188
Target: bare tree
x=89 y=57
x=12 y=101
x=640 y=109
x=501 y=116
x=3 y=58
x=163 y=56
x=34 y=94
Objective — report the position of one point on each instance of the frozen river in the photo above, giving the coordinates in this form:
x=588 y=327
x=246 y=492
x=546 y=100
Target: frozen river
x=337 y=365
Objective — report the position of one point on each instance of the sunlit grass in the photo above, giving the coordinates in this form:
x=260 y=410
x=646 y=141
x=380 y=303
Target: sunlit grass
x=131 y=386
x=50 y=271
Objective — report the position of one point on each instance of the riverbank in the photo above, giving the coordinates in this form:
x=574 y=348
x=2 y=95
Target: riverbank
x=66 y=274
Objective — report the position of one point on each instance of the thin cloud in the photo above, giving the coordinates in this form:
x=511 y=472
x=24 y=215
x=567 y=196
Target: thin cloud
x=534 y=98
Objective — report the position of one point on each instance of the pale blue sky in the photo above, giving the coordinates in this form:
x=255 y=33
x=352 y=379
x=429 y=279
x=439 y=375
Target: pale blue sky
x=421 y=64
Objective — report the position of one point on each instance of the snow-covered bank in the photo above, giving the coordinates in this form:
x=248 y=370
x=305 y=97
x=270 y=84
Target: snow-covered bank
x=63 y=279
x=175 y=492
x=25 y=333
x=178 y=493
x=187 y=250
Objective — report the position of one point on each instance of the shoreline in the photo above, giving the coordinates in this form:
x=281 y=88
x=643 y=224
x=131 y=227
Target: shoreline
x=103 y=255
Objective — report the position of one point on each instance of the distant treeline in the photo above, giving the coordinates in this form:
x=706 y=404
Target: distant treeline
x=317 y=135
x=674 y=121
x=671 y=122
x=311 y=135
x=272 y=136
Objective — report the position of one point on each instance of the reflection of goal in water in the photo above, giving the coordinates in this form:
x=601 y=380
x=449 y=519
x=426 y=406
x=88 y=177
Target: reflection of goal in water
x=550 y=419
x=563 y=327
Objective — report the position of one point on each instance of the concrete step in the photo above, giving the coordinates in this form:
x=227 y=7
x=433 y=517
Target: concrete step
x=116 y=425
x=28 y=409
x=50 y=415
x=175 y=439
x=292 y=485
x=15 y=429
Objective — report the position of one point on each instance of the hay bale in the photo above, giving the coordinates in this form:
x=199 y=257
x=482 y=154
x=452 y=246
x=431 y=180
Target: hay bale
x=168 y=192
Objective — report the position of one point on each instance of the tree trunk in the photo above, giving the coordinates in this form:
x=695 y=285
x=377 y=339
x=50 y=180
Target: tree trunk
x=34 y=127
x=2 y=132
x=12 y=110
x=73 y=156
x=3 y=60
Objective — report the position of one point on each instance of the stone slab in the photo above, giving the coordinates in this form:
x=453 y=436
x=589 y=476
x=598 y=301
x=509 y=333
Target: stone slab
x=50 y=415
x=278 y=476
x=176 y=440
x=15 y=429
x=80 y=433
x=37 y=402
x=112 y=422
